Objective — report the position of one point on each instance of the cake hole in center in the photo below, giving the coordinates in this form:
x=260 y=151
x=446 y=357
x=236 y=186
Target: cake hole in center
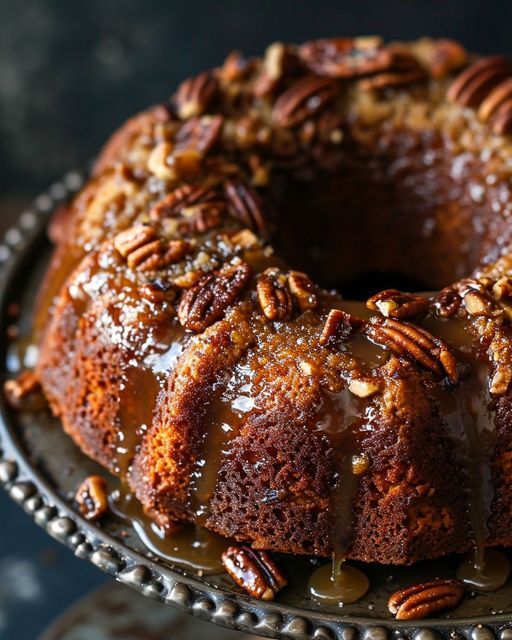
x=399 y=213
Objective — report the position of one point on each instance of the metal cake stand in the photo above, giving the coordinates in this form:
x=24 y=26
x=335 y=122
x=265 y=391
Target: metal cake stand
x=41 y=468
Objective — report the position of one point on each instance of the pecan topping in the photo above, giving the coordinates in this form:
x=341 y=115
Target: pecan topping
x=92 y=497
x=207 y=301
x=397 y=304
x=180 y=198
x=475 y=83
x=478 y=304
x=426 y=598
x=15 y=391
x=203 y=217
x=363 y=387
x=158 y=291
x=496 y=101
x=500 y=381
x=255 y=571
x=346 y=57
x=414 y=343
x=278 y=62
x=502 y=288
x=303 y=99
x=339 y=327
x=448 y=302
x=303 y=290
x=273 y=294
x=245 y=204
x=194 y=95
x=199 y=134
x=443 y=56
x=145 y=251
x=235 y=68
x=502 y=123
x=404 y=69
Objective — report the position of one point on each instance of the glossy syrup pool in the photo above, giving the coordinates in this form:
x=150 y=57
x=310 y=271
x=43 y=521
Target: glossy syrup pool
x=41 y=441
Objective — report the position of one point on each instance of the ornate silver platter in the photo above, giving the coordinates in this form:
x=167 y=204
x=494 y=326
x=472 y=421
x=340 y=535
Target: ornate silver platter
x=41 y=468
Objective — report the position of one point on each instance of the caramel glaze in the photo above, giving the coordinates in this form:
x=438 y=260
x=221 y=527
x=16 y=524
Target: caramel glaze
x=190 y=547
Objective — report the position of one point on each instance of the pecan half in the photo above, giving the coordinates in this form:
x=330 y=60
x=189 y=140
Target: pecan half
x=144 y=250
x=346 y=57
x=92 y=497
x=303 y=289
x=180 y=198
x=203 y=216
x=303 y=99
x=443 y=56
x=207 y=301
x=502 y=123
x=245 y=204
x=158 y=291
x=448 y=302
x=426 y=598
x=404 y=69
x=474 y=84
x=274 y=295
x=199 y=134
x=279 y=61
x=17 y=390
x=414 y=343
x=397 y=304
x=254 y=571
x=141 y=247
x=496 y=101
x=339 y=327
x=235 y=68
x=194 y=95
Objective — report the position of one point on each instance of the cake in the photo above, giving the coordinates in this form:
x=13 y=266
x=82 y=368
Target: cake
x=193 y=337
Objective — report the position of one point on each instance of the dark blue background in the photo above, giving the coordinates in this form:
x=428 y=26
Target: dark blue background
x=71 y=71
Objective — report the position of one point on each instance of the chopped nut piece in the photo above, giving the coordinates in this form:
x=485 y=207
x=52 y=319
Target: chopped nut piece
x=426 y=598
x=397 y=304
x=158 y=161
x=245 y=239
x=20 y=388
x=500 y=381
x=502 y=288
x=360 y=464
x=92 y=497
x=339 y=327
x=363 y=388
x=255 y=571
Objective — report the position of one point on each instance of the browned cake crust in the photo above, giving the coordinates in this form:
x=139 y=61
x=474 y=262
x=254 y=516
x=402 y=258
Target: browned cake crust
x=181 y=353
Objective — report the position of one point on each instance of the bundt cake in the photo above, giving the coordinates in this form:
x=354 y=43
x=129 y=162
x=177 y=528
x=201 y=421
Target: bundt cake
x=184 y=348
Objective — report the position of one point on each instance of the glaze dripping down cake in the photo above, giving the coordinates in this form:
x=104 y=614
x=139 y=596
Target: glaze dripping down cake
x=193 y=339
